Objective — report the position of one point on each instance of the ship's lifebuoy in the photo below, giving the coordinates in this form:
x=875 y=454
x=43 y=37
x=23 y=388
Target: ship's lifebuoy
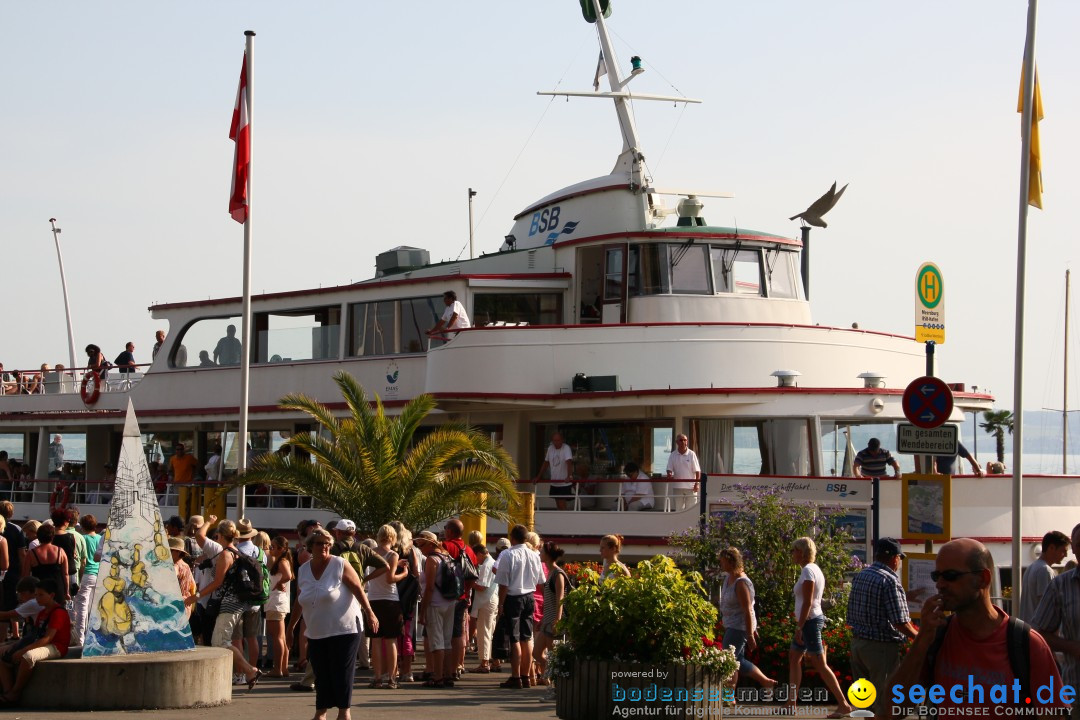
x=90 y=390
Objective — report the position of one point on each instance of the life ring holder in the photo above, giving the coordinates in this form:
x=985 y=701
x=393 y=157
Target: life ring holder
x=90 y=390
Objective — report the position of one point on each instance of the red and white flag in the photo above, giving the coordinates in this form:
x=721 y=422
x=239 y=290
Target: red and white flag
x=240 y=133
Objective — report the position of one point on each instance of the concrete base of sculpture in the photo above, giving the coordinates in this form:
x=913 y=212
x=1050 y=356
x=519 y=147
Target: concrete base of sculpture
x=195 y=678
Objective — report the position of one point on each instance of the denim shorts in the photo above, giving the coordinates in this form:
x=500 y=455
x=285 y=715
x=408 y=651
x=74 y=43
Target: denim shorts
x=811 y=637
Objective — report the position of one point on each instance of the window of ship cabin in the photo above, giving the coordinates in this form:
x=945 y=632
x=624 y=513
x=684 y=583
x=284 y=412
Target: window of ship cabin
x=208 y=342
x=517 y=309
x=737 y=271
x=780 y=267
x=294 y=335
x=392 y=327
x=771 y=447
x=662 y=268
x=689 y=269
x=838 y=454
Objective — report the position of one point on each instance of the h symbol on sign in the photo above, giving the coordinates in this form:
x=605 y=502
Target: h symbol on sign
x=930 y=288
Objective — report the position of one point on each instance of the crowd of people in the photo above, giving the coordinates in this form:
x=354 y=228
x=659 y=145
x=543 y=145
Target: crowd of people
x=337 y=602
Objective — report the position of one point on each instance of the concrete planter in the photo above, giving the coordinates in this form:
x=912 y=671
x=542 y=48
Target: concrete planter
x=602 y=689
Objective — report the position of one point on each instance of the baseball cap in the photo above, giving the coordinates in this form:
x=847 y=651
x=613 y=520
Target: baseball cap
x=344 y=525
x=888 y=546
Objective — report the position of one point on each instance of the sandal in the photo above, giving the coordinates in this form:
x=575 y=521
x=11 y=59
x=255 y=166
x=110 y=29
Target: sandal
x=391 y=684
x=255 y=680
x=481 y=669
x=433 y=683
x=375 y=684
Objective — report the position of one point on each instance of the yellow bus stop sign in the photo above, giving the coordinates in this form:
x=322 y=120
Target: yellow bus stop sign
x=929 y=305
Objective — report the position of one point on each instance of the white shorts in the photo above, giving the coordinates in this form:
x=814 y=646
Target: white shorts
x=440 y=627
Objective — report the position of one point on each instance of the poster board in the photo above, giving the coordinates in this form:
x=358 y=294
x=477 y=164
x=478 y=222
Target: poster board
x=915 y=577
x=926 y=503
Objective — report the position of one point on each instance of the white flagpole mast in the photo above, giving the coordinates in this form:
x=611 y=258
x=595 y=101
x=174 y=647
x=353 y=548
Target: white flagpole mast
x=67 y=305
x=1021 y=265
x=245 y=331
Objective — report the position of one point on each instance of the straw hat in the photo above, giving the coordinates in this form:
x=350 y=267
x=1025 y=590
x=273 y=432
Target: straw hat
x=426 y=536
x=245 y=530
x=177 y=543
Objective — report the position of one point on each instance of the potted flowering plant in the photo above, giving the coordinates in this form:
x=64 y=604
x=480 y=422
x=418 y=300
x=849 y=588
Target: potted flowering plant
x=638 y=644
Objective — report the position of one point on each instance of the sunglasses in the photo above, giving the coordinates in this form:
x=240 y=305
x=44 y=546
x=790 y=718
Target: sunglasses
x=951 y=575
x=321 y=542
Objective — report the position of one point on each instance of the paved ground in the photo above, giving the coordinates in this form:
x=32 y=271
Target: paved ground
x=476 y=697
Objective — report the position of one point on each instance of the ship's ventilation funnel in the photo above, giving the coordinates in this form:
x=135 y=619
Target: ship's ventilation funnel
x=872 y=379
x=786 y=378
x=400 y=259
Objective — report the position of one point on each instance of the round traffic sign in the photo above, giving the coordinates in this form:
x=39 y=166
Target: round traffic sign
x=928 y=402
x=930 y=286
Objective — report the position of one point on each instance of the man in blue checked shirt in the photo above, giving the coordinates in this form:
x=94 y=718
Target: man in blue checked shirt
x=879 y=620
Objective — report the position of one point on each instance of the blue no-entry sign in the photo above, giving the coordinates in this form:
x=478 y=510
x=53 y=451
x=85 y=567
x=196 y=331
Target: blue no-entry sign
x=928 y=402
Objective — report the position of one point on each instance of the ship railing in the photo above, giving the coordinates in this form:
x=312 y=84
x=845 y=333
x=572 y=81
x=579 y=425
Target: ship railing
x=605 y=494
x=77 y=491
x=67 y=381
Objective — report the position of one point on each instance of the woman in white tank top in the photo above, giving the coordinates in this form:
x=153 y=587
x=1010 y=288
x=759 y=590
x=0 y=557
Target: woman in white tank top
x=329 y=592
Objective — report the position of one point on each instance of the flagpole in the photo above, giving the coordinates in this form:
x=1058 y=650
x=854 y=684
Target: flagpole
x=245 y=331
x=1021 y=266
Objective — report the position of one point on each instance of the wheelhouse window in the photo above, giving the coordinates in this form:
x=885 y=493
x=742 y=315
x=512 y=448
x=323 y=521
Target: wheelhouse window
x=668 y=268
x=689 y=269
x=392 y=327
x=517 y=308
x=207 y=343
x=294 y=335
x=737 y=271
x=780 y=267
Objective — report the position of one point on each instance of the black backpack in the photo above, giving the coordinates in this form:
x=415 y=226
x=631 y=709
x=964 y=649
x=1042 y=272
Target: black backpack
x=1018 y=644
x=249 y=578
x=454 y=573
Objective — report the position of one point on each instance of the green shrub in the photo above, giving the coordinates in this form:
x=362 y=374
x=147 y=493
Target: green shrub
x=657 y=615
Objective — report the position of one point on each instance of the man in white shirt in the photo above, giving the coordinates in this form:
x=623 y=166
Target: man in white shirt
x=636 y=492
x=197 y=528
x=559 y=458
x=683 y=465
x=518 y=574
x=453 y=318
x=1039 y=574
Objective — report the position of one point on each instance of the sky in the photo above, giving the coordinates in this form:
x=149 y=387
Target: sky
x=371 y=121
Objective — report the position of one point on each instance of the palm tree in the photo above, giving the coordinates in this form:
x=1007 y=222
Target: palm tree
x=366 y=466
x=996 y=422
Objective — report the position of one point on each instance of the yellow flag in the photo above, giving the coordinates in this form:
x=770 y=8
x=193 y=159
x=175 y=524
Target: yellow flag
x=1035 y=185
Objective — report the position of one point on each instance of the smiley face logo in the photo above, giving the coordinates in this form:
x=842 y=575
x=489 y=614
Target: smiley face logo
x=862 y=693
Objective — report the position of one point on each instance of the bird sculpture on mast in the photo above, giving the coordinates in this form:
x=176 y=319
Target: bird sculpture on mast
x=813 y=214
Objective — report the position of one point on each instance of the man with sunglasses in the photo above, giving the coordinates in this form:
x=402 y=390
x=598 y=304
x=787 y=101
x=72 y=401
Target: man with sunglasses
x=968 y=654
x=878 y=615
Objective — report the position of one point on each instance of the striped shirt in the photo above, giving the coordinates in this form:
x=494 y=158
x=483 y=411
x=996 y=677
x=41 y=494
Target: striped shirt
x=873 y=464
x=1060 y=610
x=877 y=604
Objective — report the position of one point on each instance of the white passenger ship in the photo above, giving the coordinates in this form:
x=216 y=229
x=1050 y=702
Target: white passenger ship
x=612 y=313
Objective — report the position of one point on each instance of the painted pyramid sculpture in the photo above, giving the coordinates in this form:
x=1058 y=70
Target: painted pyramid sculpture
x=137 y=607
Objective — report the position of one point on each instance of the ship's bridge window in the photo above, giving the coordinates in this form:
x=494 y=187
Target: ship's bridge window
x=737 y=271
x=782 y=273
x=668 y=268
x=294 y=335
x=207 y=343
x=517 y=308
x=392 y=327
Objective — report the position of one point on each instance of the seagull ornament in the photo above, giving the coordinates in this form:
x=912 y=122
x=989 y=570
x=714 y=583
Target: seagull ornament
x=813 y=214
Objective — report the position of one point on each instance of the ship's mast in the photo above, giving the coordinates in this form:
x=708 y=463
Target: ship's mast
x=630 y=158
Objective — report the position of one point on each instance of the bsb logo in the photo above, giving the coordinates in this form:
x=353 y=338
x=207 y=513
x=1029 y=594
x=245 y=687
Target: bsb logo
x=548 y=220
x=392 y=373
